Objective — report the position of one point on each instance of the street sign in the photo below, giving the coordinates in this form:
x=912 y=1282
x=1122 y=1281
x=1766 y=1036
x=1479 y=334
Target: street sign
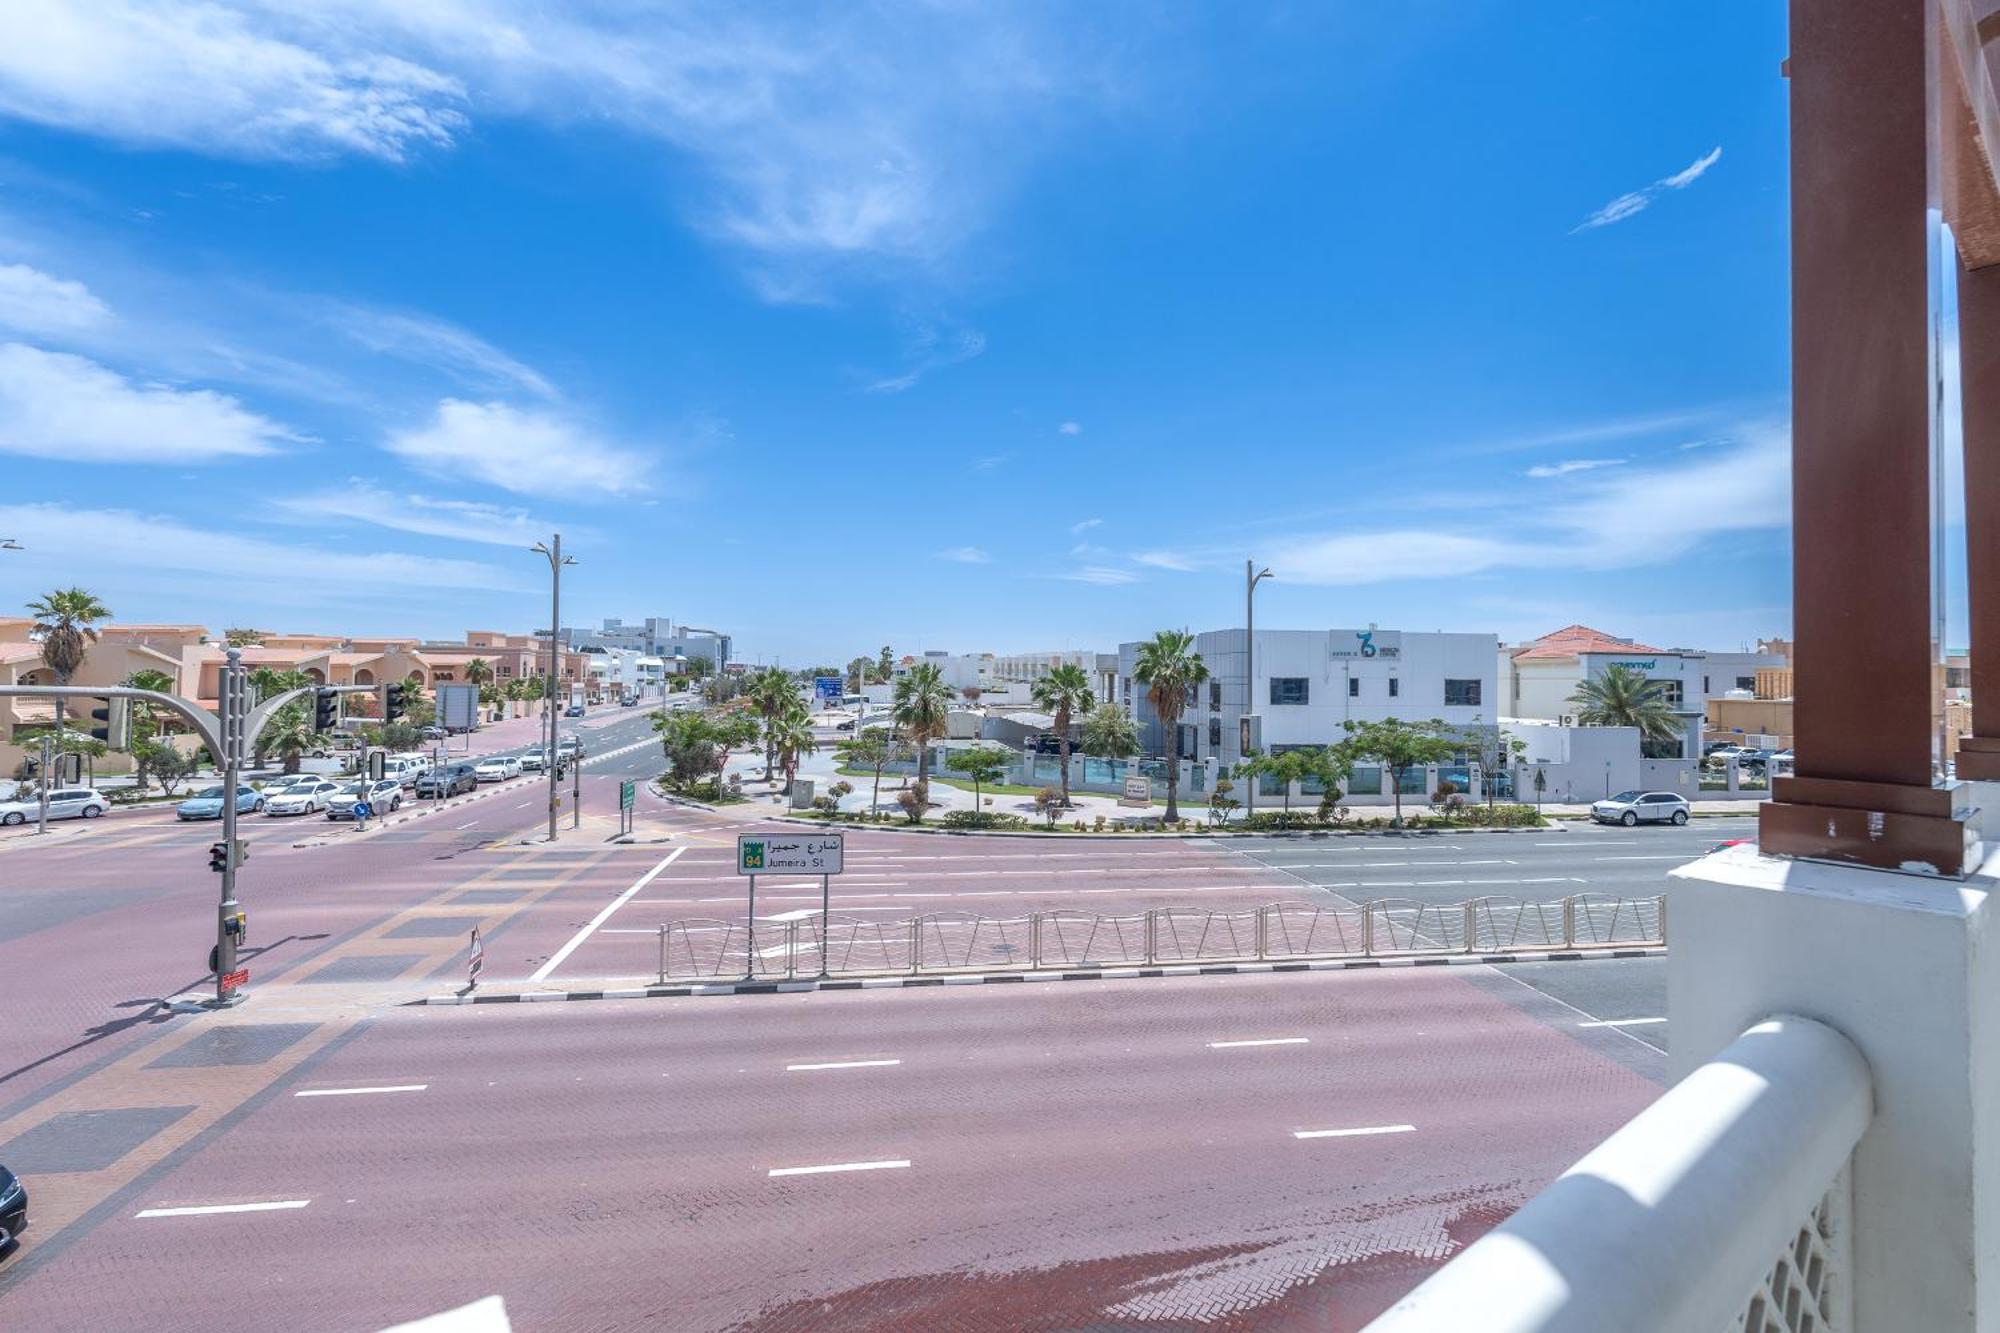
x=235 y=980
x=628 y=792
x=1138 y=790
x=475 y=961
x=762 y=854
x=826 y=687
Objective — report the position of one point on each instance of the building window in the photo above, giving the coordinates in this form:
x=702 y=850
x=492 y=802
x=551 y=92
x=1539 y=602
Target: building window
x=1750 y=682
x=1354 y=687
x=1461 y=693
x=1395 y=686
x=1215 y=696
x=1214 y=734
x=1289 y=690
x=1670 y=691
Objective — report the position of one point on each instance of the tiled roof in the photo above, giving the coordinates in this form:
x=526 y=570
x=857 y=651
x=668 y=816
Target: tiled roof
x=1571 y=640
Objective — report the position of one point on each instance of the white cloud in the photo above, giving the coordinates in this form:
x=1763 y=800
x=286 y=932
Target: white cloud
x=203 y=75
x=1165 y=560
x=931 y=349
x=107 y=549
x=1382 y=557
x=532 y=453
x=1569 y=465
x=966 y=555
x=1103 y=575
x=1069 y=428
x=1085 y=525
x=32 y=301
x=55 y=405
x=462 y=520
x=987 y=462
x=440 y=344
x=1625 y=205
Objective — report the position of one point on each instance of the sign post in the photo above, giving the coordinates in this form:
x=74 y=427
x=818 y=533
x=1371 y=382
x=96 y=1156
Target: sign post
x=628 y=792
x=827 y=690
x=475 y=961
x=764 y=854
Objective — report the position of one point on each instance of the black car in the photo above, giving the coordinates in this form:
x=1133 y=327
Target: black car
x=13 y=1211
x=449 y=780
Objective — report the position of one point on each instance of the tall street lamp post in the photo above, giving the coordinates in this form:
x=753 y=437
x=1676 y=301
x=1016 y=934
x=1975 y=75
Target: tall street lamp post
x=556 y=562
x=1252 y=576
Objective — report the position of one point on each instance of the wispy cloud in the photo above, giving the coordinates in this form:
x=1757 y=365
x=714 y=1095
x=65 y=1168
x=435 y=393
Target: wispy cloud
x=931 y=348
x=33 y=302
x=966 y=555
x=530 y=453
x=362 y=501
x=987 y=462
x=1165 y=560
x=1086 y=524
x=1637 y=201
x=440 y=344
x=1570 y=465
x=1104 y=575
x=56 y=405
x=1069 y=428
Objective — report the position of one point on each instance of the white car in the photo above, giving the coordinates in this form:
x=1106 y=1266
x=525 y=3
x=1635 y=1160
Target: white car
x=497 y=769
x=1641 y=807
x=64 y=803
x=534 y=761
x=382 y=797
x=307 y=796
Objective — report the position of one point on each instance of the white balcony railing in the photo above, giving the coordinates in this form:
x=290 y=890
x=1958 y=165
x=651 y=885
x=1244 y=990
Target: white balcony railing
x=1721 y=1206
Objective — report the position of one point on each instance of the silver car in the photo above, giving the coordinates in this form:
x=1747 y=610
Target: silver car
x=382 y=797
x=1641 y=807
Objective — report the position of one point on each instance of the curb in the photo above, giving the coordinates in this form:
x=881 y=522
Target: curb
x=995 y=978
x=1093 y=836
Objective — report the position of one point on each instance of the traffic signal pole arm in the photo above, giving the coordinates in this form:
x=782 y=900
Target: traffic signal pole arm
x=206 y=724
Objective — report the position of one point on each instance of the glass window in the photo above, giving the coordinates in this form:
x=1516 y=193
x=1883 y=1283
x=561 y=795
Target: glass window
x=1289 y=690
x=1670 y=690
x=1461 y=693
x=1365 y=782
x=1412 y=783
x=1750 y=682
x=1215 y=733
x=1354 y=687
x=1215 y=696
x=1395 y=686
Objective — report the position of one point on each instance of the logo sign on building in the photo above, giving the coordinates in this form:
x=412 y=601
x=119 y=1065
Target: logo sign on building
x=826 y=687
x=1636 y=664
x=763 y=854
x=1365 y=643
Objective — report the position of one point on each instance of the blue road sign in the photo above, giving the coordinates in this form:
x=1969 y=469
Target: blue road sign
x=826 y=687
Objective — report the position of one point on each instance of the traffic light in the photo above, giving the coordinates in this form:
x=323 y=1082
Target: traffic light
x=218 y=856
x=395 y=699
x=116 y=715
x=326 y=709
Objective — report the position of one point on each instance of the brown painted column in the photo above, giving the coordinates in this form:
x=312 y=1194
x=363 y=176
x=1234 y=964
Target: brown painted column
x=1979 y=362
x=1861 y=489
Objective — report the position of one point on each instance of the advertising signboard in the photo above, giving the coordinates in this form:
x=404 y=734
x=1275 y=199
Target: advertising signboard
x=458 y=707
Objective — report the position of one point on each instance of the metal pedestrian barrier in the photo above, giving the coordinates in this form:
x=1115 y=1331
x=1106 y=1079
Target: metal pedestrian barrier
x=712 y=949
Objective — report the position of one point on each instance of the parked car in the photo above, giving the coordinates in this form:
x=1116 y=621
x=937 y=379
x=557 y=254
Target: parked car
x=432 y=733
x=64 y=803
x=382 y=797
x=207 y=803
x=497 y=769
x=305 y=796
x=449 y=780
x=405 y=769
x=1641 y=807
x=534 y=761
x=574 y=710
x=569 y=747
x=13 y=1211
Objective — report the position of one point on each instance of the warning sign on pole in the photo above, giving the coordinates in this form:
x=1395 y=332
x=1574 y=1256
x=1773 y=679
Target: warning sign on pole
x=476 y=960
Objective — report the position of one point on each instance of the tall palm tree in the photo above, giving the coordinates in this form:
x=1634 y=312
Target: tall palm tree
x=67 y=620
x=1064 y=694
x=922 y=709
x=1171 y=670
x=268 y=681
x=792 y=733
x=479 y=671
x=771 y=690
x=1622 y=697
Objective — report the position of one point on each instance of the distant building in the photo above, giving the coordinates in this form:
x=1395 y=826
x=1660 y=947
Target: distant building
x=656 y=636
x=961 y=671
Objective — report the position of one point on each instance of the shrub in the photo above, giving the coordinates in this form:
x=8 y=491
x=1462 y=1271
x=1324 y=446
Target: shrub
x=912 y=803
x=827 y=804
x=982 y=819
x=1048 y=803
x=840 y=789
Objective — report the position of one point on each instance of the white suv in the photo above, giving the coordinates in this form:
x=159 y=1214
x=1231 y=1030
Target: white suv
x=307 y=796
x=64 y=803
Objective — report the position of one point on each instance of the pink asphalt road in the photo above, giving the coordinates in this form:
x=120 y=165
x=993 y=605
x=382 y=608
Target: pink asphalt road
x=1077 y=1156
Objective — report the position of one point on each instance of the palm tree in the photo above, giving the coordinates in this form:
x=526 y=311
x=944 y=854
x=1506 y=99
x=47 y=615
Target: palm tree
x=270 y=682
x=290 y=733
x=791 y=733
x=66 y=620
x=922 y=709
x=771 y=690
x=478 y=671
x=1064 y=693
x=1109 y=732
x=1171 y=671
x=1622 y=697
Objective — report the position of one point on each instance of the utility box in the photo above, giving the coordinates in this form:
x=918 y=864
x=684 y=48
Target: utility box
x=802 y=793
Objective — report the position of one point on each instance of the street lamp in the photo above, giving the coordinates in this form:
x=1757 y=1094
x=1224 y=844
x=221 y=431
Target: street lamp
x=556 y=562
x=1252 y=576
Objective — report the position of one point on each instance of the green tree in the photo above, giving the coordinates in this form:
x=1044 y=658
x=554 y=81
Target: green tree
x=269 y=682
x=857 y=673
x=163 y=761
x=66 y=621
x=242 y=638
x=1109 y=732
x=479 y=671
x=696 y=746
x=1064 y=694
x=148 y=723
x=1327 y=765
x=1399 y=746
x=1171 y=671
x=792 y=734
x=289 y=732
x=981 y=763
x=700 y=667
x=1623 y=697
x=1497 y=750
x=922 y=710
x=885 y=665
x=872 y=749
x=771 y=690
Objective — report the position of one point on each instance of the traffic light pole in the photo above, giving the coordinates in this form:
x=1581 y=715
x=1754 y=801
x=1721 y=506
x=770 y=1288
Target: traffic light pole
x=556 y=562
x=48 y=758
x=232 y=702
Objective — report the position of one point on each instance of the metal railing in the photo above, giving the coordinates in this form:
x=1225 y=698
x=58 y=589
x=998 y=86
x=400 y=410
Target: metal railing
x=1723 y=1205
x=941 y=942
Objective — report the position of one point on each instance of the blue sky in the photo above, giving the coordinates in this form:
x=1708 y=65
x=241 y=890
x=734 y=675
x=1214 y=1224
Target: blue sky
x=976 y=327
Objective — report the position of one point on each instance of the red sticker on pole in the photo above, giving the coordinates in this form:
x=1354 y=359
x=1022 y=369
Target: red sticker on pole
x=233 y=980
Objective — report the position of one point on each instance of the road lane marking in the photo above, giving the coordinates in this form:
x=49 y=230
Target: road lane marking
x=356 y=1092
x=1669 y=856
x=468 y=824
x=203 y=1210
x=845 y=1064
x=542 y=972
x=837 y=1166
x=1350 y=1133
x=1259 y=1041
x=1619 y=1022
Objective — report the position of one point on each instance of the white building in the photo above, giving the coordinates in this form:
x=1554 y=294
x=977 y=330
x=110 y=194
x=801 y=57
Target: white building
x=1537 y=678
x=961 y=671
x=1309 y=682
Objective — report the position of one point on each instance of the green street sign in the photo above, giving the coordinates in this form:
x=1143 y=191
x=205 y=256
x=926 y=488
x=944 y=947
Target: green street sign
x=627 y=793
x=749 y=855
